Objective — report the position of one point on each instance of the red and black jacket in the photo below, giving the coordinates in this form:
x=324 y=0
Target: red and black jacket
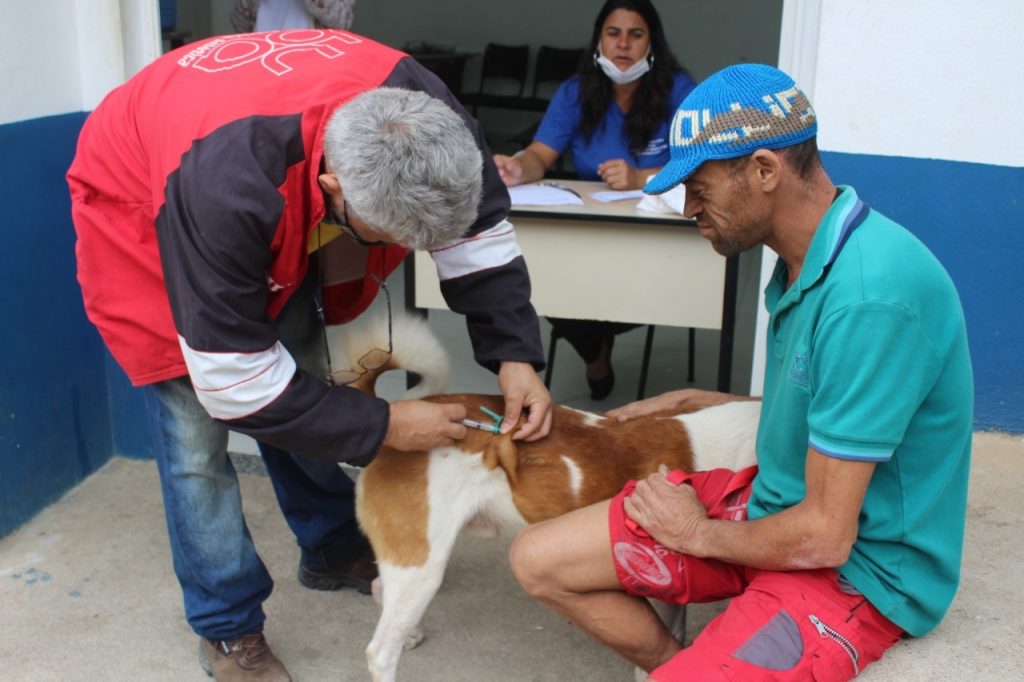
x=194 y=194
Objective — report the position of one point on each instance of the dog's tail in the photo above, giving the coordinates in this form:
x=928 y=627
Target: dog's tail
x=415 y=348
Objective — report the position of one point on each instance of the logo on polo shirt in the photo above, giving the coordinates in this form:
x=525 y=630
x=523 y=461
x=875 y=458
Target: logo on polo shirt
x=799 y=374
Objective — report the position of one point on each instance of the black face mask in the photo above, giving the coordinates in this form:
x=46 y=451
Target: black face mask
x=346 y=227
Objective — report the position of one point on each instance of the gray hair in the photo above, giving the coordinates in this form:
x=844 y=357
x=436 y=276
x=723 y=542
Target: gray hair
x=408 y=165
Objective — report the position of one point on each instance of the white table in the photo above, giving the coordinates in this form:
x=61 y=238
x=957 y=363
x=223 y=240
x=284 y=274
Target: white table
x=610 y=261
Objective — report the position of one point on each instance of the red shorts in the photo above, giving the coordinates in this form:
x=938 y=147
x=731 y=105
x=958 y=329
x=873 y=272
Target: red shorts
x=779 y=625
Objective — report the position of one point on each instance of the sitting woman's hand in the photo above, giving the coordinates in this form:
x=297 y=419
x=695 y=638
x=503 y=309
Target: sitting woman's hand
x=510 y=168
x=618 y=174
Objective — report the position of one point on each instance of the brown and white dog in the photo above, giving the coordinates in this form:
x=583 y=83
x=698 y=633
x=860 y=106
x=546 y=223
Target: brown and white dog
x=412 y=507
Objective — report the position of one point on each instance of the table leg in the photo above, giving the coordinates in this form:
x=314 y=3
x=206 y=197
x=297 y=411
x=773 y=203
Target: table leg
x=725 y=344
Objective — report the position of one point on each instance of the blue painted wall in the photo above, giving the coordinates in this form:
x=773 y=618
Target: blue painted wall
x=54 y=415
x=128 y=426
x=972 y=218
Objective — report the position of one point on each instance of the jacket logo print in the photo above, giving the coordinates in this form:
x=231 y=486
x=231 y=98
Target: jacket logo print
x=270 y=50
x=274 y=286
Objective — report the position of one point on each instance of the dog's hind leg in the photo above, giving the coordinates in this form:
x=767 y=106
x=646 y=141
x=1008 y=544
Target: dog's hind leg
x=458 y=488
x=414 y=638
x=406 y=593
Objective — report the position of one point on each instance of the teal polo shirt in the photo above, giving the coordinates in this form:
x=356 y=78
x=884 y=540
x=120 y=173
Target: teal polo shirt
x=867 y=360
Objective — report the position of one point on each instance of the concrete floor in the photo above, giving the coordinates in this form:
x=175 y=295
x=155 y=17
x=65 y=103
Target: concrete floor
x=87 y=591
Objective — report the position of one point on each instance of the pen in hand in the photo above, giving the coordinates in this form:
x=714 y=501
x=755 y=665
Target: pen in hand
x=561 y=187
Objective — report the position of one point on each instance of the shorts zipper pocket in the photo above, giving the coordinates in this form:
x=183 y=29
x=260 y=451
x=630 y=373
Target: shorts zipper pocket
x=828 y=633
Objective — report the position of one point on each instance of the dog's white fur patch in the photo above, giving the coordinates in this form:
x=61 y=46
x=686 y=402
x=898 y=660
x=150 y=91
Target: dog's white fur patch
x=589 y=418
x=460 y=488
x=575 y=475
x=723 y=435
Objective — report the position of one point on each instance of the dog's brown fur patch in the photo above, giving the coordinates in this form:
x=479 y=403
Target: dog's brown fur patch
x=401 y=527
x=608 y=455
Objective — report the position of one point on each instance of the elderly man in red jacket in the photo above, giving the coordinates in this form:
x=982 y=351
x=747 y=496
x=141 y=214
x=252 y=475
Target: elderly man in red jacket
x=196 y=190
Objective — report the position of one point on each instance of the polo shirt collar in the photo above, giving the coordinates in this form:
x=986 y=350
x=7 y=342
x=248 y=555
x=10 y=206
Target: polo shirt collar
x=843 y=216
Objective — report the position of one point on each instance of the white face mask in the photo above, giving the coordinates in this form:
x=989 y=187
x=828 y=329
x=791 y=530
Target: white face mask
x=635 y=70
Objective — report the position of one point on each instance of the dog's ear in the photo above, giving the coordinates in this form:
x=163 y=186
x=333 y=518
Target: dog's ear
x=502 y=451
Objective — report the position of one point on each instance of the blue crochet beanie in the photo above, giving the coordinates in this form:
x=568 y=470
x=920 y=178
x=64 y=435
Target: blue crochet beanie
x=735 y=112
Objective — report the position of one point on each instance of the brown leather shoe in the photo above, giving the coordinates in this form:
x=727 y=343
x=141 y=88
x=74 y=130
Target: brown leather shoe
x=245 y=659
x=318 y=575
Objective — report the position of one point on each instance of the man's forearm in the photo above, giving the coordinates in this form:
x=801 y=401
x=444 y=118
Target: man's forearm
x=816 y=533
x=789 y=540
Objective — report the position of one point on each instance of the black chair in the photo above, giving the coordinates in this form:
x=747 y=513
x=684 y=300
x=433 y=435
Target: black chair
x=648 y=343
x=504 y=69
x=554 y=65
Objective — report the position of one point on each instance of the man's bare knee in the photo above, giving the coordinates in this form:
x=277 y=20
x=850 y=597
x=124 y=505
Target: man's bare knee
x=530 y=558
x=564 y=556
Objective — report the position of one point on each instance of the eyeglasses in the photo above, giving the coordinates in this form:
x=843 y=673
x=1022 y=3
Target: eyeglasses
x=373 y=359
x=347 y=228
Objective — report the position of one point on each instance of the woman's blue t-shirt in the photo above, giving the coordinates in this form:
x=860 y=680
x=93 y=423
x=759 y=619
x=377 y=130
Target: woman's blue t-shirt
x=560 y=129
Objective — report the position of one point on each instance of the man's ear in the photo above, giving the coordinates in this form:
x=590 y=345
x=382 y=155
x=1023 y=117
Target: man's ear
x=329 y=183
x=768 y=167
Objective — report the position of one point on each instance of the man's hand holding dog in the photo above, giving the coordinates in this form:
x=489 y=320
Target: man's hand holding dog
x=421 y=425
x=685 y=400
x=670 y=513
x=522 y=388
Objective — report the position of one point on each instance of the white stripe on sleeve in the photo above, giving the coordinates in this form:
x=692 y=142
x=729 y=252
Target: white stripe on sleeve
x=235 y=385
x=491 y=248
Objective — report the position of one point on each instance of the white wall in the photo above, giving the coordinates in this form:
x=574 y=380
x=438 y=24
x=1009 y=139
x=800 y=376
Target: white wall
x=41 y=64
x=934 y=79
x=140 y=30
x=60 y=57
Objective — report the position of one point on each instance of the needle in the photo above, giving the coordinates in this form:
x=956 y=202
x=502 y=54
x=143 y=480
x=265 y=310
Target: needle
x=473 y=424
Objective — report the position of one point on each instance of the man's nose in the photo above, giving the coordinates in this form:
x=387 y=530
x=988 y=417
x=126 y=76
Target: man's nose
x=691 y=207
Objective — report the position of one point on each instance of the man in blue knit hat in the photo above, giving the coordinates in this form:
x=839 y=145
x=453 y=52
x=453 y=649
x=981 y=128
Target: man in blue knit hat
x=849 y=532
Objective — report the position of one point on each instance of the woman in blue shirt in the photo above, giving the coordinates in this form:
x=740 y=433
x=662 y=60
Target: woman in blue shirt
x=614 y=115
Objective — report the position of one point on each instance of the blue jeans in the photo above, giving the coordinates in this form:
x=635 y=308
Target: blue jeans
x=223 y=579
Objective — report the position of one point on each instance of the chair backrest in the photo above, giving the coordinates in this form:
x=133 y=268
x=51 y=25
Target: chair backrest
x=554 y=65
x=505 y=62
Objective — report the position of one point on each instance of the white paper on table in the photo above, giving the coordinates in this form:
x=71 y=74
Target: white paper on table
x=543 y=195
x=672 y=201
x=617 y=195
